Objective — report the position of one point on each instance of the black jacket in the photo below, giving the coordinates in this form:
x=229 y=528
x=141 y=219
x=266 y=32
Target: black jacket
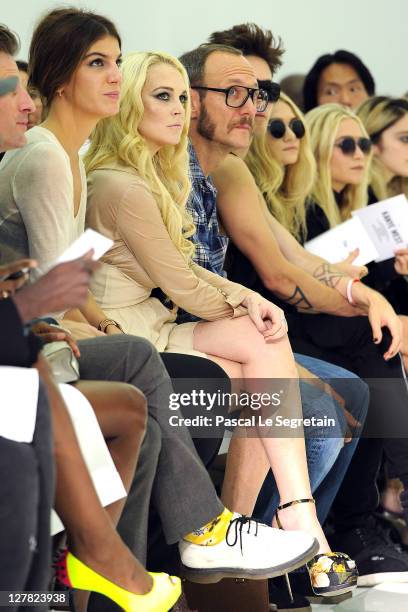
x=18 y=346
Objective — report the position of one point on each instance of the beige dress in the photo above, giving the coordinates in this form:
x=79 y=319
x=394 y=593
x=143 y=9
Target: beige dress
x=121 y=206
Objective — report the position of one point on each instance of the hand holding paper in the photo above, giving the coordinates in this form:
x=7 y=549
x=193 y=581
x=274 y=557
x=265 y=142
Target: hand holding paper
x=349 y=267
x=336 y=244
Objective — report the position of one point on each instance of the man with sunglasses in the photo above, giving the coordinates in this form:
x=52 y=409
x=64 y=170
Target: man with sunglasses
x=276 y=265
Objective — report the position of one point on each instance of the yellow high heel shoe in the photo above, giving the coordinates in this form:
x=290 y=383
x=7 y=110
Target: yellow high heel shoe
x=163 y=595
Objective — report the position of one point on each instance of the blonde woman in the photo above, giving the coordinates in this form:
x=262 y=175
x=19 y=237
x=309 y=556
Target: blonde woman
x=386 y=122
x=283 y=166
x=344 y=173
x=138 y=186
x=342 y=149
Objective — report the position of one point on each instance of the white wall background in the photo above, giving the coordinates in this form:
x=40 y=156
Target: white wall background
x=376 y=30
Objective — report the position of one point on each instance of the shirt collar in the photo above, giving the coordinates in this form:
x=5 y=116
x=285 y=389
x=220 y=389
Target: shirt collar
x=196 y=173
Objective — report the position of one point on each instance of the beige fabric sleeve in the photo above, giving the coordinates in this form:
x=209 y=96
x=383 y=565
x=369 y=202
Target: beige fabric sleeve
x=190 y=287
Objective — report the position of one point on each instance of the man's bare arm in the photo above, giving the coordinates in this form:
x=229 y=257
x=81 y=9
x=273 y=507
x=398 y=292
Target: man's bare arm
x=240 y=209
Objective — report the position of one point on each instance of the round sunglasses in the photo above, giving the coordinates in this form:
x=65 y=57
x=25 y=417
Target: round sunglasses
x=277 y=128
x=348 y=145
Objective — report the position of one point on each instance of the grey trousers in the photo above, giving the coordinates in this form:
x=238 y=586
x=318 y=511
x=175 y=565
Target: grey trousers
x=181 y=489
x=26 y=499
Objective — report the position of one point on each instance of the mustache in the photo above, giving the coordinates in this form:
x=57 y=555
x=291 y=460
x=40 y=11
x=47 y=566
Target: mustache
x=249 y=121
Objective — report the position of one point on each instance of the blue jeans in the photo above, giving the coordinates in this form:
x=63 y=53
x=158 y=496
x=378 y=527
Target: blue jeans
x=328 y=457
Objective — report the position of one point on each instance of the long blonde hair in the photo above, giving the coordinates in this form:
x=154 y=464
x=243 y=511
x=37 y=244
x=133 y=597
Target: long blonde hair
x=284 y=189
x=118 y=140
x=378 y=114
x=323 y=123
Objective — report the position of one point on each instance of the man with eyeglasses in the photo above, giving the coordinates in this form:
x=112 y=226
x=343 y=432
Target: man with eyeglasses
x=226 y=97
x=272 y=262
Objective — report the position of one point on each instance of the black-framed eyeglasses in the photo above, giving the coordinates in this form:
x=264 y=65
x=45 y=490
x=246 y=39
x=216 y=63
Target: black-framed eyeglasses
x=277 y=128
x=237 y=95
x=349 y=145
x=273 y=89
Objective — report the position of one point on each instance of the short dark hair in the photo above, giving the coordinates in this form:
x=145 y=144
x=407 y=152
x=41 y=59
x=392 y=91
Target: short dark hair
x=339 y=57
x=252 y=40
x=9 y=41
x=22 y=66
x=58 y=45
x=194 y=61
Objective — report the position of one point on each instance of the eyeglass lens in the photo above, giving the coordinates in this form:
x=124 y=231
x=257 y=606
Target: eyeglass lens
x=238 y=95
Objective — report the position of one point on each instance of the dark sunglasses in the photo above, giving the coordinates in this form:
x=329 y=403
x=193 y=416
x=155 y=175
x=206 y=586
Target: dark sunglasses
x=272 y=89
x=277 y=128
x=349 y=145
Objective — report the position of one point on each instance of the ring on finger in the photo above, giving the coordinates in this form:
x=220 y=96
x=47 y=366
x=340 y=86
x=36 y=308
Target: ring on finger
x=5 y=294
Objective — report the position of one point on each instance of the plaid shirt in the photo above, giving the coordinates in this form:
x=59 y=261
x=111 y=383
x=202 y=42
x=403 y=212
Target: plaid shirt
x=211 y=245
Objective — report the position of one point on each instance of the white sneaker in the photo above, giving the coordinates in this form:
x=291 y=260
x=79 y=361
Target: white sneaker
x=249 y=550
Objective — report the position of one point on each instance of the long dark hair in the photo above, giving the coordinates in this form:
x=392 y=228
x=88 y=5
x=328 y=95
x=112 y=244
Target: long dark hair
x=58 y=45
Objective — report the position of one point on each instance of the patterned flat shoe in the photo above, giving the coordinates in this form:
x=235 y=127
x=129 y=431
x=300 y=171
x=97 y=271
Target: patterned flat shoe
x=330 y=573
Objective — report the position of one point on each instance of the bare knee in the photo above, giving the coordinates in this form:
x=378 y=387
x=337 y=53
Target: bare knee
x=133 y=407
x=257 y=347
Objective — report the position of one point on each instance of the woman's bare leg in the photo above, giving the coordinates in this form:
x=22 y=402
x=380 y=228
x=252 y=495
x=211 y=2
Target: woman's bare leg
x=239 y=341
x=247 y=464
x=91 y=531
x=120 y=410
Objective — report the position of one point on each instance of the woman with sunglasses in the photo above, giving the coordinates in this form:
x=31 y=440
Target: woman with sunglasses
x=286 y=179
x=344 y=172
x=282 y=164
x=342 y=149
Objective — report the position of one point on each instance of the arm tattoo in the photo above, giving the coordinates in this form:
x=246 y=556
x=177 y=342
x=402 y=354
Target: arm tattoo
x=299 y=300
x=328 y=275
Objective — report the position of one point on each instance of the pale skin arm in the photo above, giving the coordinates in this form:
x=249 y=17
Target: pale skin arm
x=313 y=264
x=94 y=315
x=89 y=315
x=243 y=217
